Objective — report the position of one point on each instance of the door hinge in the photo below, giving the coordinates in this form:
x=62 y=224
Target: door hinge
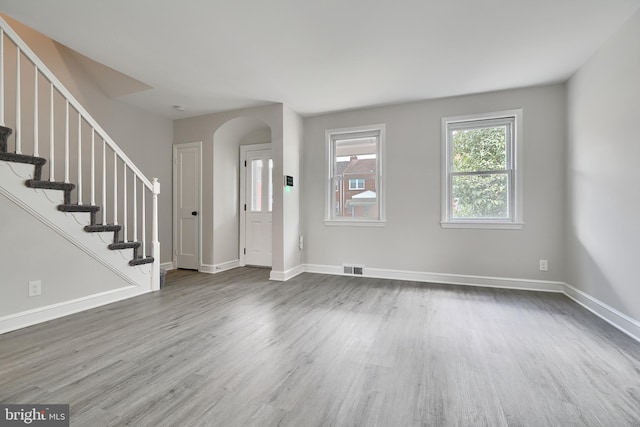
x=175 y=252
x=245 y=163
x=245 y=206
x=245 y=251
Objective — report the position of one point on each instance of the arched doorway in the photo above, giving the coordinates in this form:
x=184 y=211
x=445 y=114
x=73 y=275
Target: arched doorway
x=229 y=216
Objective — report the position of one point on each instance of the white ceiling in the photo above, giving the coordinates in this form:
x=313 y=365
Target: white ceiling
x=325 y=55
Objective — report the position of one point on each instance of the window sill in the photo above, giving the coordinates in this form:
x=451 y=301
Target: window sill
x=354 y=223
x=483 y=225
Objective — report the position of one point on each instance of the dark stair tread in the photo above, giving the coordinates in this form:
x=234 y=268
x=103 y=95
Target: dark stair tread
x=100 y=228
x=38 y=162
x=50 y=185
x=21 y=158
x=140 y=261
x=124 y=245
x=4 y=134
x=78 y=208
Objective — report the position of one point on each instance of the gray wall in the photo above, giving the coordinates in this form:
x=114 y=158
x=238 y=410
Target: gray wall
x=228 y=129
x=30 y=250
x=413 y=239
x=603 y=177
x=221 y=134
x=580 y=177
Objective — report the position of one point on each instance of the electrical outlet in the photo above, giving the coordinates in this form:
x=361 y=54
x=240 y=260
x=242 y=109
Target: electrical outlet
x=35 y=288
x=544 y=265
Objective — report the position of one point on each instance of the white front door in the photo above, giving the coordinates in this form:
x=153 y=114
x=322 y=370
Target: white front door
x=186 y=196
x=258 y=206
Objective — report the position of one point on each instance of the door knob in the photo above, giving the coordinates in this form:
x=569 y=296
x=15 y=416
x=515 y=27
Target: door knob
x=194 y=213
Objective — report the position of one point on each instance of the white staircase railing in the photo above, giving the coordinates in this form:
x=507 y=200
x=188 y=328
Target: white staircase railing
x=78 y=149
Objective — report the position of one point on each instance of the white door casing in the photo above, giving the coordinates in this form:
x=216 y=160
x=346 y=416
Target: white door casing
x=187 y=204
x=256 y=205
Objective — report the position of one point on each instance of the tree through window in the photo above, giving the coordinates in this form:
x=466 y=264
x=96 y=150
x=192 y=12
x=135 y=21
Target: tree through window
x=481 y=180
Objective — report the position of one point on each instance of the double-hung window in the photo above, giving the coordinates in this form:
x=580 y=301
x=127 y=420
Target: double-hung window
x=482 y=173
x=355 y=190
x=356 y=184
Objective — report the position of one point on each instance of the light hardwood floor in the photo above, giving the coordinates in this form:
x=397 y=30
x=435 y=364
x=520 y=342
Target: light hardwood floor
x=235 y=349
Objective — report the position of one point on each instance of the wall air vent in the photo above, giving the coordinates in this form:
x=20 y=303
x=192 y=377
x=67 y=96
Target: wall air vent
x=353 y=270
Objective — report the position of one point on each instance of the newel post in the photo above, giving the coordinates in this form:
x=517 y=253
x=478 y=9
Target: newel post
x=155 y=243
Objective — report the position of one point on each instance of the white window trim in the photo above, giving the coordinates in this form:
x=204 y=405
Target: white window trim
x=516 y=222
x=380 y=182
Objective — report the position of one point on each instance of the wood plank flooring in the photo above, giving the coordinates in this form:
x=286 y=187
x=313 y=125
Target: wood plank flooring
x=235 y=349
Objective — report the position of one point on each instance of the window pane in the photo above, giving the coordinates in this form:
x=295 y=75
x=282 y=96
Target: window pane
x=270 y=185
x=355 y=178
x=357 y=197
x=338 y=204
x=480 y=196
x=256 y=185
x=481 y=176
x=356 y=184
x=481 y=149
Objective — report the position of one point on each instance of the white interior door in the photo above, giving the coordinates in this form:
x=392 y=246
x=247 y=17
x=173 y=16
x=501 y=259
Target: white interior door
x=186 y=196
x=258 y=206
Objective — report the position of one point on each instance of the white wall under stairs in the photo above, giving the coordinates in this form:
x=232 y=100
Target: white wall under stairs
x=41 y=243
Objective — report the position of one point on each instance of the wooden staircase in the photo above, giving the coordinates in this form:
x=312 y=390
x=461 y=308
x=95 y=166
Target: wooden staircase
x=37 y=183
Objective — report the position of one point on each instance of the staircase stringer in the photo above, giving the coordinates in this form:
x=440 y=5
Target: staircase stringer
x=42 y=205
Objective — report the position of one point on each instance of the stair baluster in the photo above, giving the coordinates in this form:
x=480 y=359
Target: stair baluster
x=18 y=131
x=79 y=191
x=35 y=113
x=93 y=167
x=104 y=182
x=124 y=201
x=2 y=77
x=66 y=141
x=52 y=157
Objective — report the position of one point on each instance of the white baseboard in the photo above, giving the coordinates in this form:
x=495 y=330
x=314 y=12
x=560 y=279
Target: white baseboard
x=168 y=266
x=283 y=276
x=607 y=313
x=21 y=320
x=449 y=279
x=219 y=268
x=617 y=319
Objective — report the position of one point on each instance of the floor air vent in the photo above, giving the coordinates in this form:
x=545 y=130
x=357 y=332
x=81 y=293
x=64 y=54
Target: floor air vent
x=353 y=270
